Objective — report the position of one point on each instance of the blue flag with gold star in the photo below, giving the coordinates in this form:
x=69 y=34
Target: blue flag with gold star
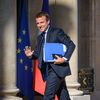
x=24 y=64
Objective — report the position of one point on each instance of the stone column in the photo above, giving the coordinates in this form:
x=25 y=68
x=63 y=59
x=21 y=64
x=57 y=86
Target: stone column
x=64 y=15
x=8 y=33
x=72 y=81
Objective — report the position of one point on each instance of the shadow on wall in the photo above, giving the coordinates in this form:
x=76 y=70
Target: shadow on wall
x=85 y=34
x=61 y=17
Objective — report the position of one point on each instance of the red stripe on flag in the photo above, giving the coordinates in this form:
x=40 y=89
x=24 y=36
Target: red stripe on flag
x=38 y=83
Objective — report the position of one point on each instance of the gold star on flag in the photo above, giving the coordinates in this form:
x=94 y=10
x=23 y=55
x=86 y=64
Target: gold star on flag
x=18 y=51
x=19 y=40
x=21 y=61
x=24 y=32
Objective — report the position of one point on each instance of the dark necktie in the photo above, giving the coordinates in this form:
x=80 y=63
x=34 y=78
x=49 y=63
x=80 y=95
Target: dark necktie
x=41 y=49
x=44 y=68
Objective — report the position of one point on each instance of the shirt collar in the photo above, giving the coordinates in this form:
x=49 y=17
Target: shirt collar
x=47 y=29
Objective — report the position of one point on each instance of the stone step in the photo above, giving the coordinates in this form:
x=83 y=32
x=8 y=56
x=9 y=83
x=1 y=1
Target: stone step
x=10 y=98
x=83 y=97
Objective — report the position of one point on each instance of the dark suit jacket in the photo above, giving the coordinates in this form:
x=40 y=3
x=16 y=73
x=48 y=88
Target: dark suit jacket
x=56 y=35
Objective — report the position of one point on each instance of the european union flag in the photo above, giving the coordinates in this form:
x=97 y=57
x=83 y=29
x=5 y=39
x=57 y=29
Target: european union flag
x=24 y=64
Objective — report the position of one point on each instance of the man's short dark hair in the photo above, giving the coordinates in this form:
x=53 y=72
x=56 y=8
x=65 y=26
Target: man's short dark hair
x=40 y=14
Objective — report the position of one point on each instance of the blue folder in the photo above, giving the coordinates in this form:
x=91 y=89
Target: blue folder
x=52 y=49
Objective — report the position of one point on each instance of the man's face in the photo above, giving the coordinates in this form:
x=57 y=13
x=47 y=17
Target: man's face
x=42 y=23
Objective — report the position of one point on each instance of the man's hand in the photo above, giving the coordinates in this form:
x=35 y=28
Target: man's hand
x=28 y=51
x=59 y=60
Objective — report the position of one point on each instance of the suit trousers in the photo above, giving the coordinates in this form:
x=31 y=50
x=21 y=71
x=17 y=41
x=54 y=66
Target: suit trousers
x=55 y=85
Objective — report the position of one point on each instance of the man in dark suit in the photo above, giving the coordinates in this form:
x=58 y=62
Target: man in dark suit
x=57 y=71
